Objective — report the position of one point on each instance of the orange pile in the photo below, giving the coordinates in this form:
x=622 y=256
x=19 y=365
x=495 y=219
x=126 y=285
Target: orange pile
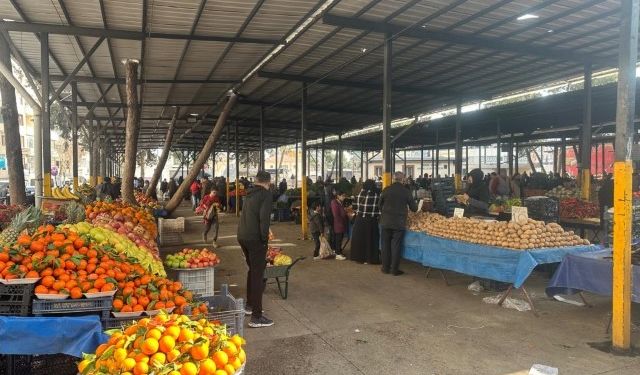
x=68 y=263
x=167 y=344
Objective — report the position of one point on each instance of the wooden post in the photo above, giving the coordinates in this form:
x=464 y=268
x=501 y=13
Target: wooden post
x=164 y=155
x=132 y=131
x=175 y=201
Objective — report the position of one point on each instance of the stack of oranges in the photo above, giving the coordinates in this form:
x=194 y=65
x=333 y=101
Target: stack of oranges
x=167 y=344
x=68 y=263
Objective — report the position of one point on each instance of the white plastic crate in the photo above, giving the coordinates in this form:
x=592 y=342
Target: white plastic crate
x=199 y=281
x=170 y=239
x=171 y=225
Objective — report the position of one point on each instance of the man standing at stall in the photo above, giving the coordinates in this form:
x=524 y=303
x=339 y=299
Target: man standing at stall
x=394 y=201
x=253 y=235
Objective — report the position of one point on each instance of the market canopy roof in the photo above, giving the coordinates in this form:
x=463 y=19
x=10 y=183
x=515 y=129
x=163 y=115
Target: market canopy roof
x=543 y=118
x=193 y=51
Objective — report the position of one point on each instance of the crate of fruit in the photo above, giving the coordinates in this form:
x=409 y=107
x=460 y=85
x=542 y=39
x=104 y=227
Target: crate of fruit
x=227 y=310
x=15 y=299
x=95 y=306
x=47 y=364
x=113 y=322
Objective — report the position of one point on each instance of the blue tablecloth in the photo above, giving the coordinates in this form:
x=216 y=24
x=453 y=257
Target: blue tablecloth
x=510 y=266
x=590 y=272
x=50 y=335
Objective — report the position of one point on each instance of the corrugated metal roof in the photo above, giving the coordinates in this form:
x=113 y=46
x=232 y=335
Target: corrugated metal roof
x=343 y=55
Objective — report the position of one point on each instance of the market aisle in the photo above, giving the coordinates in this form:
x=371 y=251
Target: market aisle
x=344 y=318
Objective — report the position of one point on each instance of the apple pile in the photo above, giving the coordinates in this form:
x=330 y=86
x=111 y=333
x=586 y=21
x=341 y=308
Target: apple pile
x=192 y=258
x=135 y=232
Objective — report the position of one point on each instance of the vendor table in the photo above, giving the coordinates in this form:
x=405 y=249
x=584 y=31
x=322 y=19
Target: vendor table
x=591 y=272
x=500 y=264
x=582 y=225
x=50 y=335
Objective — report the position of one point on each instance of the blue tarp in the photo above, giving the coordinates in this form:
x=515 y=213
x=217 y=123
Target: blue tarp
x=50 y=335
x=494 y=263
x=591 y=272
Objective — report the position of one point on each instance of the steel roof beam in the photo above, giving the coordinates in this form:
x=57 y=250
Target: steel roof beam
x=464 y=39
x=121 y=81
x=268 y=105
x=359 y=85
x=33 y=27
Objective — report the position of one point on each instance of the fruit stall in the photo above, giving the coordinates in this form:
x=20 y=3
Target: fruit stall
x=496 y=250
x=96 y=272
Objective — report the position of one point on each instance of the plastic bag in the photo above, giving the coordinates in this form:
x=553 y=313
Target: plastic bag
x=325 y=248
x=509 y=303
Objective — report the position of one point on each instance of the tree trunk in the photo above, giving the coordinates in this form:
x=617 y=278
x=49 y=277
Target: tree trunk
x=539 y=157
x=163 y=156
x=15 y=167
x=533 y=167
x=203 y=156
x=132 y=130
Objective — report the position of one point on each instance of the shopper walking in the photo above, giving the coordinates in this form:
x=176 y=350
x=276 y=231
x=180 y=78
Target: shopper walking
x=195 y=194
x=253 y=235
x=210 y=205
x=365 y=237
x=316 y=227
x=340 y=223
x=394 y=201
x=164 y=187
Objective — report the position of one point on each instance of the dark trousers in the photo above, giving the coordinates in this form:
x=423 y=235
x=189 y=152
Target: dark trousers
x=316 y=240
x=255 y=253
x=337 y=242
x=216 y=227
x=391 y=245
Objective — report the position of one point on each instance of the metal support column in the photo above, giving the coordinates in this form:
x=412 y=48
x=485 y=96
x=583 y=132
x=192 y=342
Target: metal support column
x=585 y=144
x=480 y=157
x=563 y=156
x=339 y=157
x=261 y=159
x=277 y=169
x=362 y=161
x=237 y=154
x=623 y=170
x=466 y=159
x=604 y=167
x=516 y=159
x=228 y=165
x=322 y=167
x=555 y=159
x=295 y=175
x=458 y=148
x=74 y=134
x=404 y=163
x=387 y=155
x=46 y=114
x=498 y=147
x=437 y=172
x=316 y=164
x=421 y=162
x=510 y=156
x=303 y=208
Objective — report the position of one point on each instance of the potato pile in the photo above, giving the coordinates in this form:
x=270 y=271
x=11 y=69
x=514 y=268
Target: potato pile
x=531 y=235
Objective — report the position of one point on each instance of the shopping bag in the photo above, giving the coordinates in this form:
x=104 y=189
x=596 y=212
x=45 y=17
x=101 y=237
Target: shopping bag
x=325 y=248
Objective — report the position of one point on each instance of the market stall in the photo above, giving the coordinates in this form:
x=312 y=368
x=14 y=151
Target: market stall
x=506 y=252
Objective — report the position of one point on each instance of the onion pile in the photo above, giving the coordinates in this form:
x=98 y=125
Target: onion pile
x=530 y=235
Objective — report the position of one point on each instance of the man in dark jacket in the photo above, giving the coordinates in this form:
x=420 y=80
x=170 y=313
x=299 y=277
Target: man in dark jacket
x=253 y=235
x=394 y=201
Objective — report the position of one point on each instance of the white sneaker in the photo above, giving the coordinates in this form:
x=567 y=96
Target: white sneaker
x=317 y=258
x=214 y=245
x=340 y=257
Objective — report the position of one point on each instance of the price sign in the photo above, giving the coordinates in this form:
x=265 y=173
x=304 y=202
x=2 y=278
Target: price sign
x=458 y=212
x=420 y=204
x=519 y=215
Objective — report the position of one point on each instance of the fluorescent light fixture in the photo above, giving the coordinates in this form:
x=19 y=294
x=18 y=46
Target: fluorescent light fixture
x=193 y=114
x=8 y=20
x=363 y=50
x=549 y=31
x=527 y=16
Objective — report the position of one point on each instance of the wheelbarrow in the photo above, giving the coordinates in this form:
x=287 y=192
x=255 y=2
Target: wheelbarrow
x=281 y=276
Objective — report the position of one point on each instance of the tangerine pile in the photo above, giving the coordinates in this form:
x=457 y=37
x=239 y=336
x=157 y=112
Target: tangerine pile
x=168 y=344
x=68 y=263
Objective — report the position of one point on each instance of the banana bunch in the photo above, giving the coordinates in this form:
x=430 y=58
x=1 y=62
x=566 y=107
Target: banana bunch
x=63 y=193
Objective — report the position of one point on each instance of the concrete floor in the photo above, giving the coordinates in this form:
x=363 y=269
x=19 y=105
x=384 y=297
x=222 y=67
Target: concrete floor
x=346 y=318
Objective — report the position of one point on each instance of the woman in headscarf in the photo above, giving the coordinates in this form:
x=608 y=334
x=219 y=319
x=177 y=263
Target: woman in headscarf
x=476 y=199
x=365 y=239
